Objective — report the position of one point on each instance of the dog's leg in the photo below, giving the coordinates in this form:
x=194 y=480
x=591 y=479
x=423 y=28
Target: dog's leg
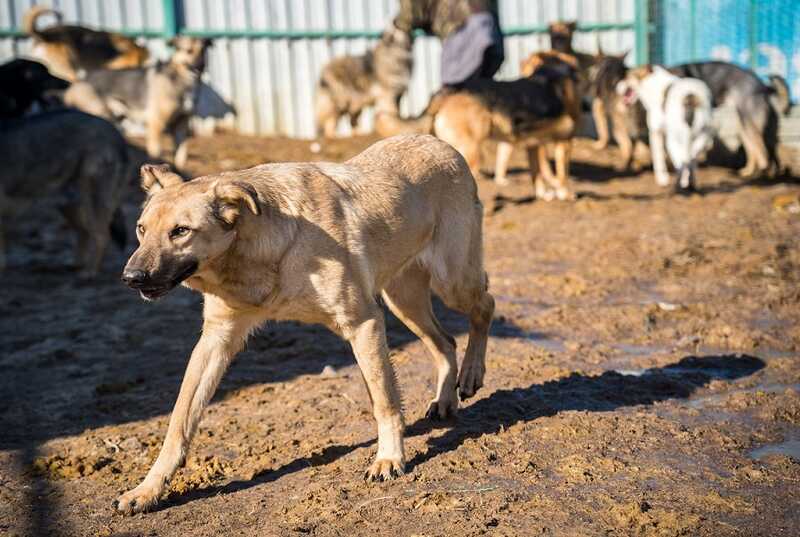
x=180 y=135
x=540 y=189
x=469 y=295
x=562 y=154
x=659 y=157
x=623 y=139
x=547 y=174
x=504 y=150
x=224 y=333
x=409 y=298
x=760 y=159
x=155 y=128
x=600 y=123
x=368 y=340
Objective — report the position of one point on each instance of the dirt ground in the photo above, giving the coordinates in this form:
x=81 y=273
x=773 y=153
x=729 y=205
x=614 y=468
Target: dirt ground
x=643 y=379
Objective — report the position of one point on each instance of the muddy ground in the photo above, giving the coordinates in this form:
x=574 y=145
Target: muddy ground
x=643 y=379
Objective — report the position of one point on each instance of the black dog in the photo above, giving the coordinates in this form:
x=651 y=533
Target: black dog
x=24 y=82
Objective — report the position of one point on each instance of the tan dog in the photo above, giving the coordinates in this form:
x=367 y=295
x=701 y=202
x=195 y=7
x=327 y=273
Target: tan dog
x=318 y=243
x=68 y=49
x=349 y=84
x=162 y=96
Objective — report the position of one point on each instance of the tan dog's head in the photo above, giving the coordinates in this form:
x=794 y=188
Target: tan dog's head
x=628 y=87
x=184 y=226
x=190 y=52
x=561 y=35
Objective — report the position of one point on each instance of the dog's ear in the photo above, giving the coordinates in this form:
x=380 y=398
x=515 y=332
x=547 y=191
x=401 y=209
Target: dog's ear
x=173 y=42
x=572 y=26
x=230 y=197
x=156 y=177
x=624 y=54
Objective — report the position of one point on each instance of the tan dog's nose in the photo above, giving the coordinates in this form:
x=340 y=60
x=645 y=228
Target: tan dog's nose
x=134 y=278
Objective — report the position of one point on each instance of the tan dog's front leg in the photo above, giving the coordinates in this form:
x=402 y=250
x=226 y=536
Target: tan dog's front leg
x=368 y=340
x=221 y=340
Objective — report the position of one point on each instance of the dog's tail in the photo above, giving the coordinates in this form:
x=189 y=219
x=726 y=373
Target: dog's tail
x=32 y=16
x=781 y=98
x=389 y=123
x=690 y=104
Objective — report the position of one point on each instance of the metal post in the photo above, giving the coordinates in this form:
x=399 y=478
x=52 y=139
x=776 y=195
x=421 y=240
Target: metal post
x=170 y=18
x=642 y=28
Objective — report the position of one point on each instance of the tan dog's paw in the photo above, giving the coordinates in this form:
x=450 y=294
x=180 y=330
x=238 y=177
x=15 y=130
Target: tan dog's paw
x=385 y=470
x=470 y=379
x=442 y=409
x=565 y=194
x=138 y=500
x=600 y=144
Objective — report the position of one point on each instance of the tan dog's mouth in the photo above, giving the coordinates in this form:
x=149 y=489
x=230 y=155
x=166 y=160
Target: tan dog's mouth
x=150 y=291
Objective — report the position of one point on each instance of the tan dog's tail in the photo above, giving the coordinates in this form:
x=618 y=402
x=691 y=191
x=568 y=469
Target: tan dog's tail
x=32 y=16
x=389 y=123
x=781 y=99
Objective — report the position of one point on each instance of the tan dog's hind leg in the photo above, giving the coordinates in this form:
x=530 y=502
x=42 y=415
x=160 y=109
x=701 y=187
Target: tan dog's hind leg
x=224 y=334
x=600 y=123
x=368 y=340
x=409 y=298
x=466 y=290
x=504 y=150
x=757 y=157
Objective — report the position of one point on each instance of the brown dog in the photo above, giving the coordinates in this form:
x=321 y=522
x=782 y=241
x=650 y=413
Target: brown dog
x=533 y=111
x=68 y=49
x=318 y=243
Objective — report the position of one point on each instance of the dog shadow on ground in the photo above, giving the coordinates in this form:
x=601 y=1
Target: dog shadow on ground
x=504 y=408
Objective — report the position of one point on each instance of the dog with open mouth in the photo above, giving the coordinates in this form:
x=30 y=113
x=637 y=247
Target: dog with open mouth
x=678 y=118
x=317 y=243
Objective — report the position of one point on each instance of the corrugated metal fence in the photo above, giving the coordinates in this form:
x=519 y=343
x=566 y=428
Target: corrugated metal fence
x=268 y=53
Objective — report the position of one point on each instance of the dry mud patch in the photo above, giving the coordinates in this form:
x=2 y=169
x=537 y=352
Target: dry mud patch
x=643 y=379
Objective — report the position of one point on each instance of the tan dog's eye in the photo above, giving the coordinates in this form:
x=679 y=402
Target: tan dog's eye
x=140 y=229
x=178 y=231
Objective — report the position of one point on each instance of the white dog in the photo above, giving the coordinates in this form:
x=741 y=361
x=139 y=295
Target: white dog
x=678 y=111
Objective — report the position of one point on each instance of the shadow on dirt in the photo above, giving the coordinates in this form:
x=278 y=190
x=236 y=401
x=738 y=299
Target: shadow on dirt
x=602 y=393
x=504 y=408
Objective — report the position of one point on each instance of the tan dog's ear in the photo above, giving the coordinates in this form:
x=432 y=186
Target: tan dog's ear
x=156 y=177
x=229 y=199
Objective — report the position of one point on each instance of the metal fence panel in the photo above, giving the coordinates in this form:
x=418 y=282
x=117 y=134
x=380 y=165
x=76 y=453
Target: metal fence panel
x=764 y=35
x=270 y=78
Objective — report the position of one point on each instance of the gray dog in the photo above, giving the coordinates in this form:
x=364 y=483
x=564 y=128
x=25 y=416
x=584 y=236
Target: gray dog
x=73 y=155
x=162 y=97
x=758 y=107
